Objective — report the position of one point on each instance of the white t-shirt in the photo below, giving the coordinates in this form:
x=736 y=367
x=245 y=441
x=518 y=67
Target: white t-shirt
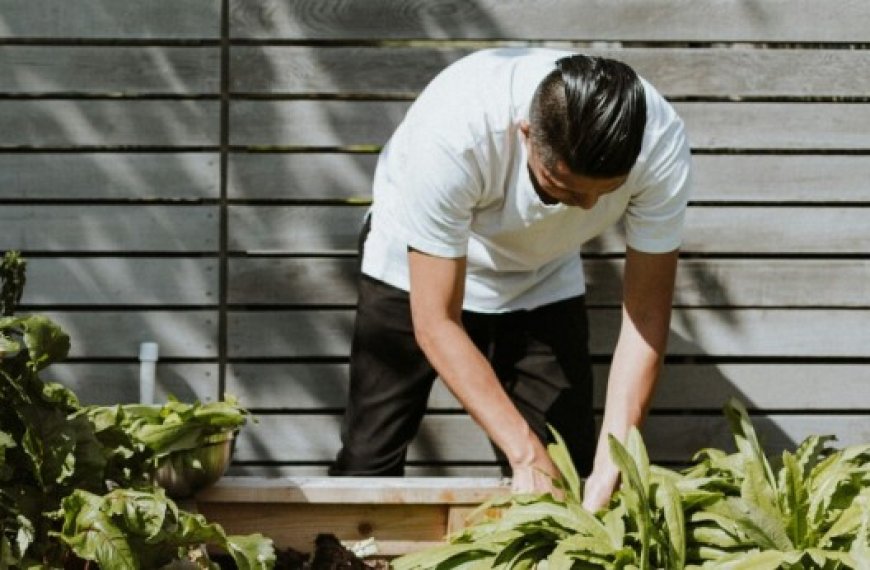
x=453 y=181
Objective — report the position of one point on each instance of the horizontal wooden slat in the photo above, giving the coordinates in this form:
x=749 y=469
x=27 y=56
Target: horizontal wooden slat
x=783 y=178
x=353 y=490
x=720 y=229
x=108 y=384
x=88 y=176
x=272 y=281
x=289 y=334
x=133 y=281
x=263 y=124
x=70 y=123
x=714 y=332
x=116 y=334
x=768 y=230
x=164 y=19
x=297 y=229
x=676 y=72
x=776 y=230
x=705 y=282
x=115 y=70
x=302 y=176
x=782 y=386
x=454 y=438
x=702 y=20
x=109 y=228
x=762 y=332
x=398 y=529
x=718 y=178
x=793 y=126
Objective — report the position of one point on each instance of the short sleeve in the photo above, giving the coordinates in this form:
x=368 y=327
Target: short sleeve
x=439 y=189
x=655 y=216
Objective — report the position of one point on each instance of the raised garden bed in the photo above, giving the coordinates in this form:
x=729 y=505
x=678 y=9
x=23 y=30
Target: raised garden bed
x=402 y=514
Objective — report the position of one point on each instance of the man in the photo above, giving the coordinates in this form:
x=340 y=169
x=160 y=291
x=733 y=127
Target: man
x=503 y=167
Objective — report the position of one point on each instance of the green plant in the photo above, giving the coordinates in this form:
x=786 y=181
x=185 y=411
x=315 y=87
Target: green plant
x=69 y=486
x=175 y=426
x=727 y=511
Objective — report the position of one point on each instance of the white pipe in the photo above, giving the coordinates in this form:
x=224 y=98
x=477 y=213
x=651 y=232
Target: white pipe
x=147 y=368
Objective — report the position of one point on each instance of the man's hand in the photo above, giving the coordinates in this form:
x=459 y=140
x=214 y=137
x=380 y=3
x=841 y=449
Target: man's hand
x=535 y=473
x=599 y=488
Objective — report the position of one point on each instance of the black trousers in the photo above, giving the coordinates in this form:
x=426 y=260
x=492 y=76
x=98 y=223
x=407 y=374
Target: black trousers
x=540 y=356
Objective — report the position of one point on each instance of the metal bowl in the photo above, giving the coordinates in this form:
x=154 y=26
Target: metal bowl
x=183 y=473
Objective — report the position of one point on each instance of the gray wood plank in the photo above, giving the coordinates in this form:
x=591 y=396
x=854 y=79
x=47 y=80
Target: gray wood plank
x=118 y=334
x=454 y=438
x=120 y=281
x=305 y=176
x=700 y=282
x=676 y=72
x=274 y=281
x=103 y=228
x=694 y=332
x=289 y=334
x=718 y=178
x=155 y=19
x=711 y=126
x=783 y=178
x=705 y=20
x=771 y=230
x=829 y=126
x=777 y=230
x=734 y=283
x=264 y=125
x=114 y=71
x=72 y=123
x=113 y=176
x=720 y=229
x=108 y=384
x=779 y=386
x=762 y=332
x=782 y=386
x=297 y=229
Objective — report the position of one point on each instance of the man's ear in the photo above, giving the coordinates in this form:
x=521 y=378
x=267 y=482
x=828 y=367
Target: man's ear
x=525 y=128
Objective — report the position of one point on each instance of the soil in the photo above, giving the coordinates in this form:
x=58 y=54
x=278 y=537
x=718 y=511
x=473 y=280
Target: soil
x=329 y=554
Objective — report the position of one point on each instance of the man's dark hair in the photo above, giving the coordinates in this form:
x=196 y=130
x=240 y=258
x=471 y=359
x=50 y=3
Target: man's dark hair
x=589 y=112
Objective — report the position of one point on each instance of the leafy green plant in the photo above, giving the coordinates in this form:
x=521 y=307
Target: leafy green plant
x=134 y=529
x=811 y=510
x=175 y=426
x=12 y=279
x=68 y=486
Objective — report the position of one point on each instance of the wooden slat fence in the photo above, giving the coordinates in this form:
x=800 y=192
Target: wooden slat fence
x=195 y=173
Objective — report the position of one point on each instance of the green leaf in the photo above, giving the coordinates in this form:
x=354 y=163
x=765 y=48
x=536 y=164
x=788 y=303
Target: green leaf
x=635 y=495
x=251 y=552
x=747 y=440
x=92 y=534
x=45 y=341
x=753 y=522
x=795 y=500
x=667 y=498
x=849 y=520
x=445 y=557
x=759 y=560
x=561 y=457
x=811 y=451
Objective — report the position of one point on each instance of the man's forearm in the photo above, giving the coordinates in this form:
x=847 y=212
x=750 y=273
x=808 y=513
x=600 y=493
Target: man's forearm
x=472 y=380
x=630 y=387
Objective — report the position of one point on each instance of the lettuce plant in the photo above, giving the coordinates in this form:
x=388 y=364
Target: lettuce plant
x=70 y=487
